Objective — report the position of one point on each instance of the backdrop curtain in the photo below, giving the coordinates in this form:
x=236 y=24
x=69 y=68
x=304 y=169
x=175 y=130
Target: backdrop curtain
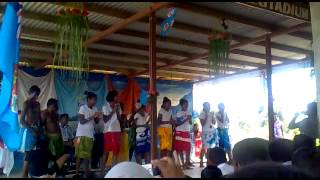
x=45 y=83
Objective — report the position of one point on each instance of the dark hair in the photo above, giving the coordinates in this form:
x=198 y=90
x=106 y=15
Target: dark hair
x=307 y=159
x=64 y=116
x=251 y=150
x=211 y=172
x=90 y=95
x=165 y=100
x=111 y=95
x=52 y=102
x=217 y=155
x=269 y=170
x=281 y=150
x=182 y=102
x=34 y=89
x=302 y=140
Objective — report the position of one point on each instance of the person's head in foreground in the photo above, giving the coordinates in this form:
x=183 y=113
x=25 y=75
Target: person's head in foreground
x=312 y=109
x=302 y=140
x=128 y=170
x=249 y=151
x=216 y=156
x=34 y=92
x=91 y=98
x=269 y=170
x=184 y=104
x=307 y=159
x=281 y=150
x=52 y=105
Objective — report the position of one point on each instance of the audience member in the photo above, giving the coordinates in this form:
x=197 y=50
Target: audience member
x=128 y=170
x=249 y=151
x=216 y=156
x=269 y=170
x=307 y=159
x=302 y=140
x=281 y=151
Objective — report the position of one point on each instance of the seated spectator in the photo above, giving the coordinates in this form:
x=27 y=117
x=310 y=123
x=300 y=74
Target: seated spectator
x=249 y=151
x=302 y=140
x=281 y=151
x=39 y=160
x=128 y=170
x=216 y=156
x=307 y=159
x=269 y=170
x=219 y=156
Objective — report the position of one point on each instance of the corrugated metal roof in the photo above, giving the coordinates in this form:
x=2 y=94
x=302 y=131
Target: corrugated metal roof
x=126 y=6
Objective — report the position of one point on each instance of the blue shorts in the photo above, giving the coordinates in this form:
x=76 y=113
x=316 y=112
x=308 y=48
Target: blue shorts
x=224 y=141
x=142 y=142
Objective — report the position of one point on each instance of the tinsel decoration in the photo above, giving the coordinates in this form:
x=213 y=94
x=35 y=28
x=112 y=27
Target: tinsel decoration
x=73 y=27
x=218 y=53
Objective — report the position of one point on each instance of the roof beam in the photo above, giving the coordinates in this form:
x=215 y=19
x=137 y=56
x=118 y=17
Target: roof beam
x=254 y=40
x=124 y=23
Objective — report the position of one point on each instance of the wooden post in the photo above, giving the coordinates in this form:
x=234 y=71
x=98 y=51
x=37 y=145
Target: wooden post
x=269 y=85
x=152 y=83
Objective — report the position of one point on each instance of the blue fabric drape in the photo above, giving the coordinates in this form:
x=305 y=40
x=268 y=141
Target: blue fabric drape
x=71 y=96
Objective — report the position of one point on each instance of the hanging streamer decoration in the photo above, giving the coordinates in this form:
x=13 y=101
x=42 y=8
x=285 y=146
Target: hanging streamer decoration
x=167 y=24
x=73 y=27
x=219 y=43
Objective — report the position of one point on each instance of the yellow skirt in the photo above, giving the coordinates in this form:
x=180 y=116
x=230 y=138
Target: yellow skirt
x=124 y=150
x=165 y=136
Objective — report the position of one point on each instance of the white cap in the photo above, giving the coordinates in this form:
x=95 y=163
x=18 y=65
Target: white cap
x=128 y=170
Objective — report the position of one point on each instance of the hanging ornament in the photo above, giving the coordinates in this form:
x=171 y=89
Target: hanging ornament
x=167 y=23
x=73 y=26
x=219 y=43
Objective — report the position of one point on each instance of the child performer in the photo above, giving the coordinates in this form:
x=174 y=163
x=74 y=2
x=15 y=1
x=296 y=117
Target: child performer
x=165 y=129
x=88 y=115
x=182 y=142
x=142 y=149
x=209 y=136
x=223 y=126
x=30 y=121
x=112 y=129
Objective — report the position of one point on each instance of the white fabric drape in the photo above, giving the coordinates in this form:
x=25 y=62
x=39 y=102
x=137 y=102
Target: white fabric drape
x=45 y=83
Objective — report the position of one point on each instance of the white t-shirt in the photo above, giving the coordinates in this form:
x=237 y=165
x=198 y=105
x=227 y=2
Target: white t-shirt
x=166 y=116
x=209 y=123
x=86 y=129
x=113 y=125
x=141 y=120
x=226 y=169
x=183 y=115
x=225 y=119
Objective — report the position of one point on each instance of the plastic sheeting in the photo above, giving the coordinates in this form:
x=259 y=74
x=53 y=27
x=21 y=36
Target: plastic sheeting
x=45 y=83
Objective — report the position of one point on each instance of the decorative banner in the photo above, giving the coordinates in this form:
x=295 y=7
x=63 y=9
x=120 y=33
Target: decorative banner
x=295 y=10
x=167 y=24
x=9 y=57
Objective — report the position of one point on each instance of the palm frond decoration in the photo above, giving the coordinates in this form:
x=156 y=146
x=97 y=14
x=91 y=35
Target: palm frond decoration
x=218 y=53
x=73 y=27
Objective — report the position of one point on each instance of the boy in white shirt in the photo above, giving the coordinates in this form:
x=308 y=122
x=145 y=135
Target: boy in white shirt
x=112 y=129
x=182 y=142
x=209 y=134
x=142 y=149
x=165 y=129
x=88 y=115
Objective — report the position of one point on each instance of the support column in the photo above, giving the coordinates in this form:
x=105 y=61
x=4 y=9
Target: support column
x=315 y=23
x=152 y=84
x=269 y=85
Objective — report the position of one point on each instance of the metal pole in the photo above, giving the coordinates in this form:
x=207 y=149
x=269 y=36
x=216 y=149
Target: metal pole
x=152 y=83
x=269 y=85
